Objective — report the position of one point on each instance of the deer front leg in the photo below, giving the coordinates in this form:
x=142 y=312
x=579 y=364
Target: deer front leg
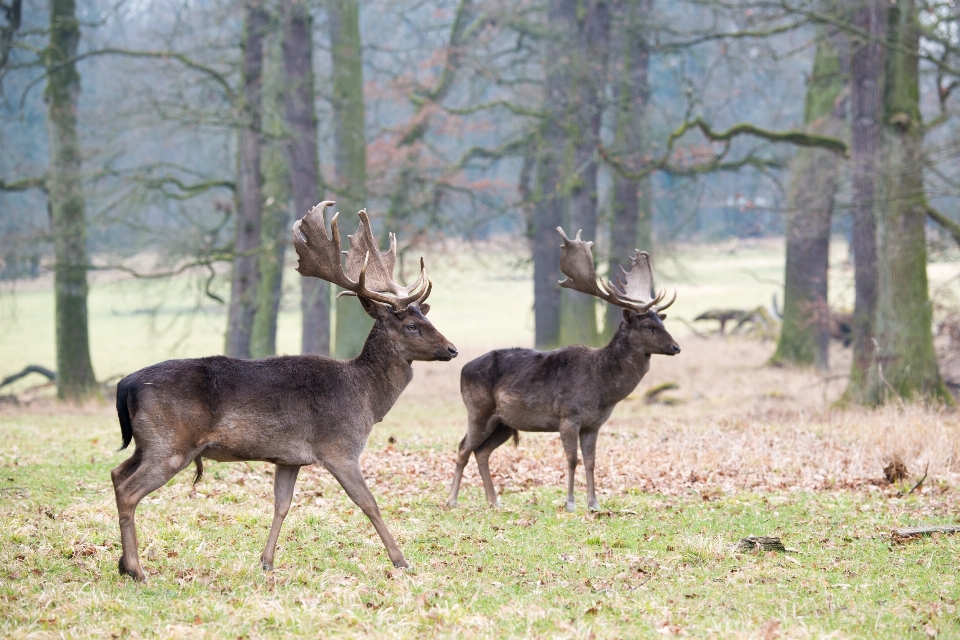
x=347 y=473
x=284 y=479
x=569 y=434
x=588 y=445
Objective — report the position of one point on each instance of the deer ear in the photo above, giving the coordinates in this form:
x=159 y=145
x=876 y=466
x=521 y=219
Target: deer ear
x=628 y=315
x=424 y=308
x=373 y=309
x=662 y=316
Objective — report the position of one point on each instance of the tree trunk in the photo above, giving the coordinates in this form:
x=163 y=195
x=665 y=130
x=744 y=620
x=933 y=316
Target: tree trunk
x=275 y=225
x=243 y=289
x=75 y=378
x=805 y=336
x=866 y=68
x=630 y=226
x=906 y=365
x=304 y=167
x=274 y=238
x=586 y=27
x=350 y=154
x=549 y=198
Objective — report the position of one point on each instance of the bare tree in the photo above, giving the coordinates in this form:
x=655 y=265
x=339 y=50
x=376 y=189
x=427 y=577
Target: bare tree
x=304 y=165
x=350 y=150
x=64 y=184
x=805 y=336
x=245 y=278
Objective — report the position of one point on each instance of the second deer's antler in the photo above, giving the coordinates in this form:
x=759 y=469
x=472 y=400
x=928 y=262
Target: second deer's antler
x=368 y=273
x=632 y=290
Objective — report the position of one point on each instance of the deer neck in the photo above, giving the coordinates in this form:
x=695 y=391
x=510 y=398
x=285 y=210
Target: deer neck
x=385 y=373
x=621 y=366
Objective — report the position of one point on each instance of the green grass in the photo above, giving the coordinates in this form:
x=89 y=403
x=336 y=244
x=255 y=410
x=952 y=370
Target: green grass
x=645 y=565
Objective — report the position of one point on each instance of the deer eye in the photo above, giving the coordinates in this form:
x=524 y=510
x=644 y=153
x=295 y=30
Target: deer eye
x=412 y=326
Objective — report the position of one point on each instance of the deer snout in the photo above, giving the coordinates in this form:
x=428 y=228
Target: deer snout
x=452 y=351
x=673 y=349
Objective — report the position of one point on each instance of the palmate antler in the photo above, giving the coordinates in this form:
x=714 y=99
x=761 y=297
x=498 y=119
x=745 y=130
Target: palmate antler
x=367 y=273
x=632 y=289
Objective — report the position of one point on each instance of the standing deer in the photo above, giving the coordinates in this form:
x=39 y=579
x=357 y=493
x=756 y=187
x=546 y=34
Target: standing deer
x=289 y=410
x=571 y=390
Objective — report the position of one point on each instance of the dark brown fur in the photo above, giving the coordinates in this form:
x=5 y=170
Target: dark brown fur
x=290 y=410
x=571 y=391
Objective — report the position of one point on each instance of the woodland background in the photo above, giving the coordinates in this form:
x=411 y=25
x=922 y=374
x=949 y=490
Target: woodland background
x=169 y=140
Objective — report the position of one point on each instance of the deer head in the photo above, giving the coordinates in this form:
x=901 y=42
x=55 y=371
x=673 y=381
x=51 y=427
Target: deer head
x=367 y=273
x=642 y=313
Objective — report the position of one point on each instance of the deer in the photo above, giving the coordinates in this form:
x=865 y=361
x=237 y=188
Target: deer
x=291 y=411
x=572 y=390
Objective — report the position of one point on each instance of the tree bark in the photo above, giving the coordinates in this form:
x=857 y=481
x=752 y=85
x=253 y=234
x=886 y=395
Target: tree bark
x=906 y=365
x=304 y=166
x=75 y=378
x=550 y=201
x=274 y=234
x=867 y=70
x=630 y=226
x=245 y=277
x=350 y=154
x=586 y=26
x=805 y=334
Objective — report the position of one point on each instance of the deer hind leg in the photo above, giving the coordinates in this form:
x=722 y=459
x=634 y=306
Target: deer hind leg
x=478 y=430
x=347 y=473
x=133 y=480
x=284 y=479
x=569 y=435
x=588 y=445
x=482 y=454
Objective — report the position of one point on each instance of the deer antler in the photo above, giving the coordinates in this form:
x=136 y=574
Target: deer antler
x=369 y=271
x=632 y=290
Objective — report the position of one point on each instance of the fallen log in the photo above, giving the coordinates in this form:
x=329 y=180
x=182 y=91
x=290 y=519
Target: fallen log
x=759 y=543
x=915 y=532
x=33 y=368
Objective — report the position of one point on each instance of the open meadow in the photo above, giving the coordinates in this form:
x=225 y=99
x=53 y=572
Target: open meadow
x=737 y=449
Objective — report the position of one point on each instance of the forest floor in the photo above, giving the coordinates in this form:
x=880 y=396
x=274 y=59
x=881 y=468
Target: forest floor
x=737 y=449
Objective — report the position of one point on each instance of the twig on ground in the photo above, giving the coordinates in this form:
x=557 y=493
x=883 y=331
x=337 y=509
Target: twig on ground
x=920 y=482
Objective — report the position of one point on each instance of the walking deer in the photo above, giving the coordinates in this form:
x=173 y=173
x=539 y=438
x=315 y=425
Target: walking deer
x=289 y=410
x=571 y=390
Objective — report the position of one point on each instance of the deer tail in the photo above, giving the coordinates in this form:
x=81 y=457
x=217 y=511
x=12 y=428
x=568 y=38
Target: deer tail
x=125 y=394
x=199 y=462
x=516 y=437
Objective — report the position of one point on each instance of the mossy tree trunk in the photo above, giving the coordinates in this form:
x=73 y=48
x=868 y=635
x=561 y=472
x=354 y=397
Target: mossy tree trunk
x=805 y=334
x=905 y=361
x=585 y=25
x=245 y=276
x=304 y=166
x=867 y=72
x=350 y=153
x=75 y=378
x=549 y=199
x=630 y=226
x=276 y=222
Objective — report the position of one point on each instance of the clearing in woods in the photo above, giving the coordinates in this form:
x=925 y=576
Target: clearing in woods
x=738 y=449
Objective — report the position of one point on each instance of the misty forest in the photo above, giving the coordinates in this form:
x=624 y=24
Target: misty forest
x=726 y=231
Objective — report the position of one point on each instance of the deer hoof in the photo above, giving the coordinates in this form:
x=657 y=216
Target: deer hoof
x=494 y=504
x=266 y=566
x=571 y=507
x=401 y=564
x=137 y=574
x=594 y=506
x=451 y=503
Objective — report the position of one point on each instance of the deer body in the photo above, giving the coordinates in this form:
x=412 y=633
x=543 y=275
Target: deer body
x=291 y=410
x=572 y=390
